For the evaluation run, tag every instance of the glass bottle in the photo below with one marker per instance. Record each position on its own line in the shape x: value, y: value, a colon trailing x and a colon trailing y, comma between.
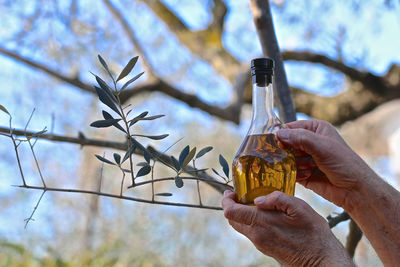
x: 260, y: 166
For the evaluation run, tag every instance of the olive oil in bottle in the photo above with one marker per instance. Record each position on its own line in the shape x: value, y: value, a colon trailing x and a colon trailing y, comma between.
x: 260, y: 166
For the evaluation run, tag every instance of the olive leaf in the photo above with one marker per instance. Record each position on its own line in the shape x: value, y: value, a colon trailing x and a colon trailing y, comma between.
x: 104, y: 123
x: 141, y: 115
x: 108, y: 116
x: 128, y: 68
x: 224, y: 164
x: 134, y: 120
x: 164, y: 194
x: 143, y: 171
x: 141, y: 164
x: 183, y: 155
x: 104, y: 160
x: 131, y: 81
x: 103, y: 62
x: 146, y: 156
x: 107, y: 89
x: 176, y: 164
x: 106, y: 99
x: 178, y: 182
x: 4, y: 109
x: 154, y: 137
x: 189, y: 157
x: 203, y: 151
x: 117, y: 158
x: 128, y: 153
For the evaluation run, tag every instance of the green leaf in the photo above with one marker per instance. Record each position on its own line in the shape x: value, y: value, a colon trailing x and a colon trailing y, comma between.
x: 183, y: 155
x: 108, y: 116
x: 197, y: 170
x: 147, y: 156
x: 4, y: 109
x: 164, y: 194
x: 103, y: 62
x: 204, y: 151
x: 143, y: 171
x: 104, y: 160
x: 117, y: 158
x: 224, y: 164
x: 175, y: 162
x: 131, y: 81
x: 127, y: 154
x: 179, y: 182
x: 141, y: 115
x: 217, y: 173
x: 134, y: 120
x: 128, y: 68
x: 106, y: 99
x: 141, y: 164
x: 154, y: 137
x: 189, y: 157
x: 107, y: 89
x: 126, y: 170
x: 104, y: 123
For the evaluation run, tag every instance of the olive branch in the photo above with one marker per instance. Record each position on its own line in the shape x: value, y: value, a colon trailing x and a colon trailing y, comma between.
x: 122, y: 119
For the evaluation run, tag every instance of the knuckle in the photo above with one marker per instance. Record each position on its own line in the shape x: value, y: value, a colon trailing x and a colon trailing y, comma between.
x: 228, y: 213
x: 253, y: 218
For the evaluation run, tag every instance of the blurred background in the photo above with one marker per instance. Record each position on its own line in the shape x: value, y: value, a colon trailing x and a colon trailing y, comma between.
x: 342, y: 60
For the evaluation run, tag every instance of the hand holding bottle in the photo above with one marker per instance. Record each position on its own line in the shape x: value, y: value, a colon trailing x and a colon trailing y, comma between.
x: 325, y: 163
x: 286, y: 228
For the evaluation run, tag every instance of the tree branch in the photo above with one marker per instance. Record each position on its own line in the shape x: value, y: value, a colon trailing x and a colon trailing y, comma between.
x: 206, y: 44
x: 228, y: 113
x: 118, y: 196
x: 83, y: 141
x: 369, y: 80
x: 266, y: 32
x: 354, y: 237
x: 333, y: 221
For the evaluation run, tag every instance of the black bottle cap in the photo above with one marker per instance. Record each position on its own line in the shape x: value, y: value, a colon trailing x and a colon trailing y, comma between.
x: 262, y: 66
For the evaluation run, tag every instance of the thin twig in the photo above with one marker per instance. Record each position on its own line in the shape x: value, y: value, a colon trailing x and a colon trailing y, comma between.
x: 35, y: 208
x: 183, y: 178
x: 198, y: 184
x: 120, y: 197
x: 36, y: 162
x: 122, y: 182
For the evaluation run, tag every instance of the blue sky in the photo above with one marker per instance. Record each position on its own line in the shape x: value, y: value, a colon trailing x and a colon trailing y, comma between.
x: 371, y: 42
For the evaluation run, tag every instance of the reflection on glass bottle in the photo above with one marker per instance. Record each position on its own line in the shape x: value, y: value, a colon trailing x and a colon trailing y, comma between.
x: 260, y: 166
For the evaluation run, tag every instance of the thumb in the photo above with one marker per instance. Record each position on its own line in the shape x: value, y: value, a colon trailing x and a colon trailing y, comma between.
x: 304, y: 140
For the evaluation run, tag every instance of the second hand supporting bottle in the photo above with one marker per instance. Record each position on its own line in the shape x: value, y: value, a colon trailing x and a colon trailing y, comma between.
x: 260, y: 166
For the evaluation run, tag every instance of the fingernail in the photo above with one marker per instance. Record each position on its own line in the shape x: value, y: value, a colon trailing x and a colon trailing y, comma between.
x: 259, y: 200
x: 283, y: 133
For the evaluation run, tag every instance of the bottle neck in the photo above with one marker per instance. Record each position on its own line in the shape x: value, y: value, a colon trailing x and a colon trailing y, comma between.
x: 263, y: 102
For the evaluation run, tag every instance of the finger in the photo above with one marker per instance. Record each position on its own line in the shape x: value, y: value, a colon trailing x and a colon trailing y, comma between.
x: 304, y: 174
x: 304, y: 140
x: 238, y: 212
x: 278, y: 201
x: 311, y: 125
x: 305, y: 162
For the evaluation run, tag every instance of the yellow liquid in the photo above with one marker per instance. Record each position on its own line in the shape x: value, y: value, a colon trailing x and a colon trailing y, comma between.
x: 261, y: 167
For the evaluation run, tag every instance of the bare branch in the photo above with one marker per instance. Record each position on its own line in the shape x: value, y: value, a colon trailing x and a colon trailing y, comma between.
x: 230, y: 113
x: 30, y: 218
x: 120, y: 197
x: 369, y: 80
x: 266, y: 32
x: 206, y: 44
x: 72, y: 81
x: 333, y: 221
x: 354, y: 237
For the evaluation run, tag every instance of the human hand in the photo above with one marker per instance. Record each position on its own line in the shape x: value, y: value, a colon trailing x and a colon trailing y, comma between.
x: 287, y: 229
x: 325, y: 163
